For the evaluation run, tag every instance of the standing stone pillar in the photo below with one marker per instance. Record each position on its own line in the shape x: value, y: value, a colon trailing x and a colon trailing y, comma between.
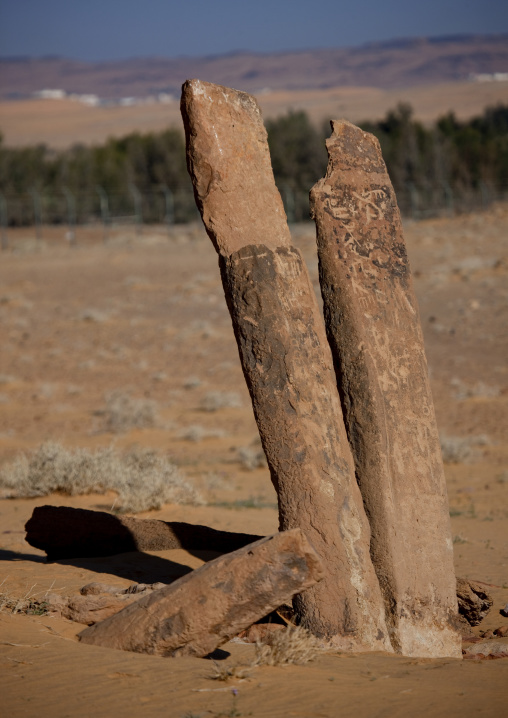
x: 286, y: 361
x: 374, y: 331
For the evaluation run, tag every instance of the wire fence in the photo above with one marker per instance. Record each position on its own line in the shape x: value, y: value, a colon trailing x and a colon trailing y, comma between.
x: 162, y: 205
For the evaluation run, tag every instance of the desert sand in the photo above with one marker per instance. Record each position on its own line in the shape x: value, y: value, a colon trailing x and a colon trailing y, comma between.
x: 146, y: 317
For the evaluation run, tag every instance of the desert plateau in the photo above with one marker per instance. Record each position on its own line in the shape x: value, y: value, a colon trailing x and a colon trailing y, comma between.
x: 63, y: 123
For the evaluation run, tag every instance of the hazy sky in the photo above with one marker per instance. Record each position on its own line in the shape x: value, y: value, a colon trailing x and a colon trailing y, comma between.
x: 109, y: 29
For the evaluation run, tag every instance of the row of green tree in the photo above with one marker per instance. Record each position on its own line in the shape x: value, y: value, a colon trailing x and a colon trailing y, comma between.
x: 452, y: 163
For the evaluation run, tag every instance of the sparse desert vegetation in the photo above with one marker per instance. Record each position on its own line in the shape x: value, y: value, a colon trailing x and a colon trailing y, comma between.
x: 461, y: 450
x: 123, y: 412
x: 148, y: 365
x: 294, y: 645
x: 142, y: 480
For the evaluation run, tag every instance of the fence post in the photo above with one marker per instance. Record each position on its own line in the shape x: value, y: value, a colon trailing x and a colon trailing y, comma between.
x: 37, y: 213
x: 413, y: 198
x: 103, y: 197
x: 136, y: 196
x: 288, y: 198
x: 485, y: 194
x: 71, y: 215
x: 169, y: 201
x: 3, y: 221
x: 449, y: 197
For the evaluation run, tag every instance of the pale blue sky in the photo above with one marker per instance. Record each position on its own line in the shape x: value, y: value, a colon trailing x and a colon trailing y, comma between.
x: 110, y: 29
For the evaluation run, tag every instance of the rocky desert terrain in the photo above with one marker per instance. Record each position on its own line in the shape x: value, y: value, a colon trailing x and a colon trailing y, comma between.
x: 128, y: 344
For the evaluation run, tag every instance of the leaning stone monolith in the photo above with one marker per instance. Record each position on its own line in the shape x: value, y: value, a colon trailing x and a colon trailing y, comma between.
x: 210, y: 605
x: 286, y: 361
x: 374, y: 331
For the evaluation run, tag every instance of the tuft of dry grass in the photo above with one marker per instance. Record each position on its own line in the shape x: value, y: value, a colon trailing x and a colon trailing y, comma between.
x: 223, y: 672
x: 123, y: 412
x: 29, y: 603
x: 142, y: 479
x: 295, y: 645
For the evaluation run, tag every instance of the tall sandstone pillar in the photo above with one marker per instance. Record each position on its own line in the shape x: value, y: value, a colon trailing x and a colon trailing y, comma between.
x: 374, y: 331
x: 286, y: 361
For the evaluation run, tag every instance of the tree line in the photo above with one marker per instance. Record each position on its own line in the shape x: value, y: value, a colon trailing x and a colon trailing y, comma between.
x: 452, y: 164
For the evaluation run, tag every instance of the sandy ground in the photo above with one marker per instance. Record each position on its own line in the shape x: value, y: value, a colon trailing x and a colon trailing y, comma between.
x: 146, y: 316
x: 61, y: 123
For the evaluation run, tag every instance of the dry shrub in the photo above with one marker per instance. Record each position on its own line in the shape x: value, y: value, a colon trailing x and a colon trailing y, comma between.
x: 29, y: 603
x: 223, y: 672
x: 142, y: 479
x: 123, y: 412
x: 460, y: 450
x: 480, y: 390
x: 251, y: 458
x: 192, y: 382
x: 295, y: 645
x: 215, y: 400
x: 195, y: 432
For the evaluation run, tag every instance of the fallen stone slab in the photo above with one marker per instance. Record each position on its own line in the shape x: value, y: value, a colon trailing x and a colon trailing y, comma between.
x: 96, y: 601
x: 474, y: 600
x: 286, y: 360
x: 374, y: 331
x: 88, y: 609
x: 64, y: 532
x: 95, y: 588
x: 207, y: 607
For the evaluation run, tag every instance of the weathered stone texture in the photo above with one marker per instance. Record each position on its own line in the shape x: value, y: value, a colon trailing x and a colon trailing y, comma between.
x: 197, y: 613
x: 374, y: 330
x: 286, y: 361
x: 474, y: 600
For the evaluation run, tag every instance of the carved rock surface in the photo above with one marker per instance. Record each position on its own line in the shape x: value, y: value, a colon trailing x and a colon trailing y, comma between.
x: 374, y: 331
x: 474, y: 600
x: 286, y: 361
x: 210, y: 605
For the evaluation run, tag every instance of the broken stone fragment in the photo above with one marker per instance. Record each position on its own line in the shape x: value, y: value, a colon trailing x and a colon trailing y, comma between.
x: 286, y: 361
x: 487, y: 649
x: 474, y: 600
x: 91, y: 609
x: 96, y: 601
x: 374, y: 332
x: 197, y: 613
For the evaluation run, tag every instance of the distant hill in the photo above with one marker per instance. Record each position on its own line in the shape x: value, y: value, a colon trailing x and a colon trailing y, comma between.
x: 388, y: 65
